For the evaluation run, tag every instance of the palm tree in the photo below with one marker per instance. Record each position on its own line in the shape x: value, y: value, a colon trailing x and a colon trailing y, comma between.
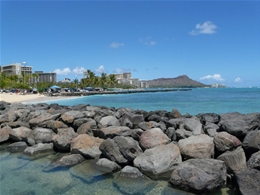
x: 103, y: 80
x: 111, y: 80
x: 90, y: 77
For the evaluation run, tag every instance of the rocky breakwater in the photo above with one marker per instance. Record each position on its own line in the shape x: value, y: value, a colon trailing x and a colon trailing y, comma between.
x: 194, y: 153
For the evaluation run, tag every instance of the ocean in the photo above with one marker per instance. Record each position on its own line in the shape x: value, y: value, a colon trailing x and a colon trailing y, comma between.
x: 22, y: 175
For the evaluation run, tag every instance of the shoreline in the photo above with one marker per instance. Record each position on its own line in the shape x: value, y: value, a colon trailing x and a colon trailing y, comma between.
x: 29, y: 98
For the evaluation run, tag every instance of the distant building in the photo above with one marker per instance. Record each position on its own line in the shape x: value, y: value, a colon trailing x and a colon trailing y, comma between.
x: 46, y: 77
x: 125, y: 78
x: 217, y: 85
x: 65, y: 80
x: 16, y: 69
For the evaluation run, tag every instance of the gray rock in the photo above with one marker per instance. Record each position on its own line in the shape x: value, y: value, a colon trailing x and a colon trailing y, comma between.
x: 42, y: 135
x: 41, y: 118
x: 17, y: 147
x: 251, y: 142
x: 39, y: 148
x: 111, y: 151
x: 224, y: 141
x: 88, y: 127
x: 199, y: 175
x: 107, y: 165
x: 70, y: 116
x: 86, y: 145
x: 234, y: 160
x: 254, y: 161
x: 112, y: 131
x: 109, y: 121
x: 158, y: 162
x: 200, y: 146
x: 20, y: 134
x: 239, y: 124
x: 63, y: 138
x: 134, y: 118
x: 211, y: 129
x: 209, y: 118
x: 4, y: 133
x: 54, y: 125
x: 153, y: 137
x: 170, y: 132
x: 248, y: 181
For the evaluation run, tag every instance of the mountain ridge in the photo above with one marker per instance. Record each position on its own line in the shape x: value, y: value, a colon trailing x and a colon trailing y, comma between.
x: 179, y: 81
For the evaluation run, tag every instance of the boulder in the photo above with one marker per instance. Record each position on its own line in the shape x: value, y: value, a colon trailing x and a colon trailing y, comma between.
x: 174, y: 114
x: 112, y: 131
x: 158, y: 162
x: 87, y: 127
x: 41, y: 118
x: 69, y: 116
x: 120, y: 149
x: 199, y: 175
x: 39, y: 148
x: 86, y: 145
x: 107, y: 165
x: 54, y: 125
x: 153, y: 137
x: 17, y: 147
x: 63, y: 138
x: 200, y: 146
x: 235, y: 160
x: 111, y: 151
x: 20, y: 134
x: 4, y: 133
x: 135, y: 119
x: 254, y: 161
x: 224, y: 141
x: 211, y: 129
x: 109, y: 121
x: 42, y: 135
x: 251, y: 142
x: 209, y: 118
x: 239, y: 124
x: 248, y: 181
x: 171, y: 133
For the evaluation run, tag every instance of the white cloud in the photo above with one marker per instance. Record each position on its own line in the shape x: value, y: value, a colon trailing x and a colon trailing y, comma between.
x: 116, y: 45
x: 147, y: 41
x: 207, y: 27
x: 238, y: 79
x: 119, y: 70
x: 80, y: 70
x: 216, y: 77
x: 64, y: 71
x: 101, y: 69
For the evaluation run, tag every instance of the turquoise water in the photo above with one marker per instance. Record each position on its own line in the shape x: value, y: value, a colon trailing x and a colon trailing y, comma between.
x: 24, y: 176
x: 220, y: 100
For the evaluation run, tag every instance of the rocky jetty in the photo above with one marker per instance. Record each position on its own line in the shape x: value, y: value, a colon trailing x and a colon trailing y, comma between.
x: 198, y: 154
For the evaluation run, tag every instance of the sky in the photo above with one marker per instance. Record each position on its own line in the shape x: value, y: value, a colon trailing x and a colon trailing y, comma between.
x: 209, y: 41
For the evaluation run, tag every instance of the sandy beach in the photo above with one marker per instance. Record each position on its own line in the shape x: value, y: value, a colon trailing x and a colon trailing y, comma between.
x: 19, y: 98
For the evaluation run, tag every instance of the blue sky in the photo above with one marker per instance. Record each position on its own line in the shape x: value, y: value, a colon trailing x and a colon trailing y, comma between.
x: 209, y: 41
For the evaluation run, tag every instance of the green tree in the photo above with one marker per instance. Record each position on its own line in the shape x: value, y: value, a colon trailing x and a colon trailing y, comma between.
x: 112, y: 80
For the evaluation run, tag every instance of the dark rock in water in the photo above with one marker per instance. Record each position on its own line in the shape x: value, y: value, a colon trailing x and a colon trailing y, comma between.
x: 199, y: 175
x: 254, y: 161
x: 131, y: 181
x: 153, y: 137
x: 20, y: 134
x: 104, y: 164
x: 4, y: 133
x: 158, y: 162
x: 112, y: 131
x: 39, y: 149
x: 87, y: 171
x: 17, y: 147
x: 224, y: 141
x: 42, y: 135
x: 239, y: 124
x: 234, y: 160
x: 248, y: 181
x: 65, y: 161
x: 209, y: 118
x: 86, y: 145
x: 63, y: 139
x: 251, y: 143
x: 200, y: 146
